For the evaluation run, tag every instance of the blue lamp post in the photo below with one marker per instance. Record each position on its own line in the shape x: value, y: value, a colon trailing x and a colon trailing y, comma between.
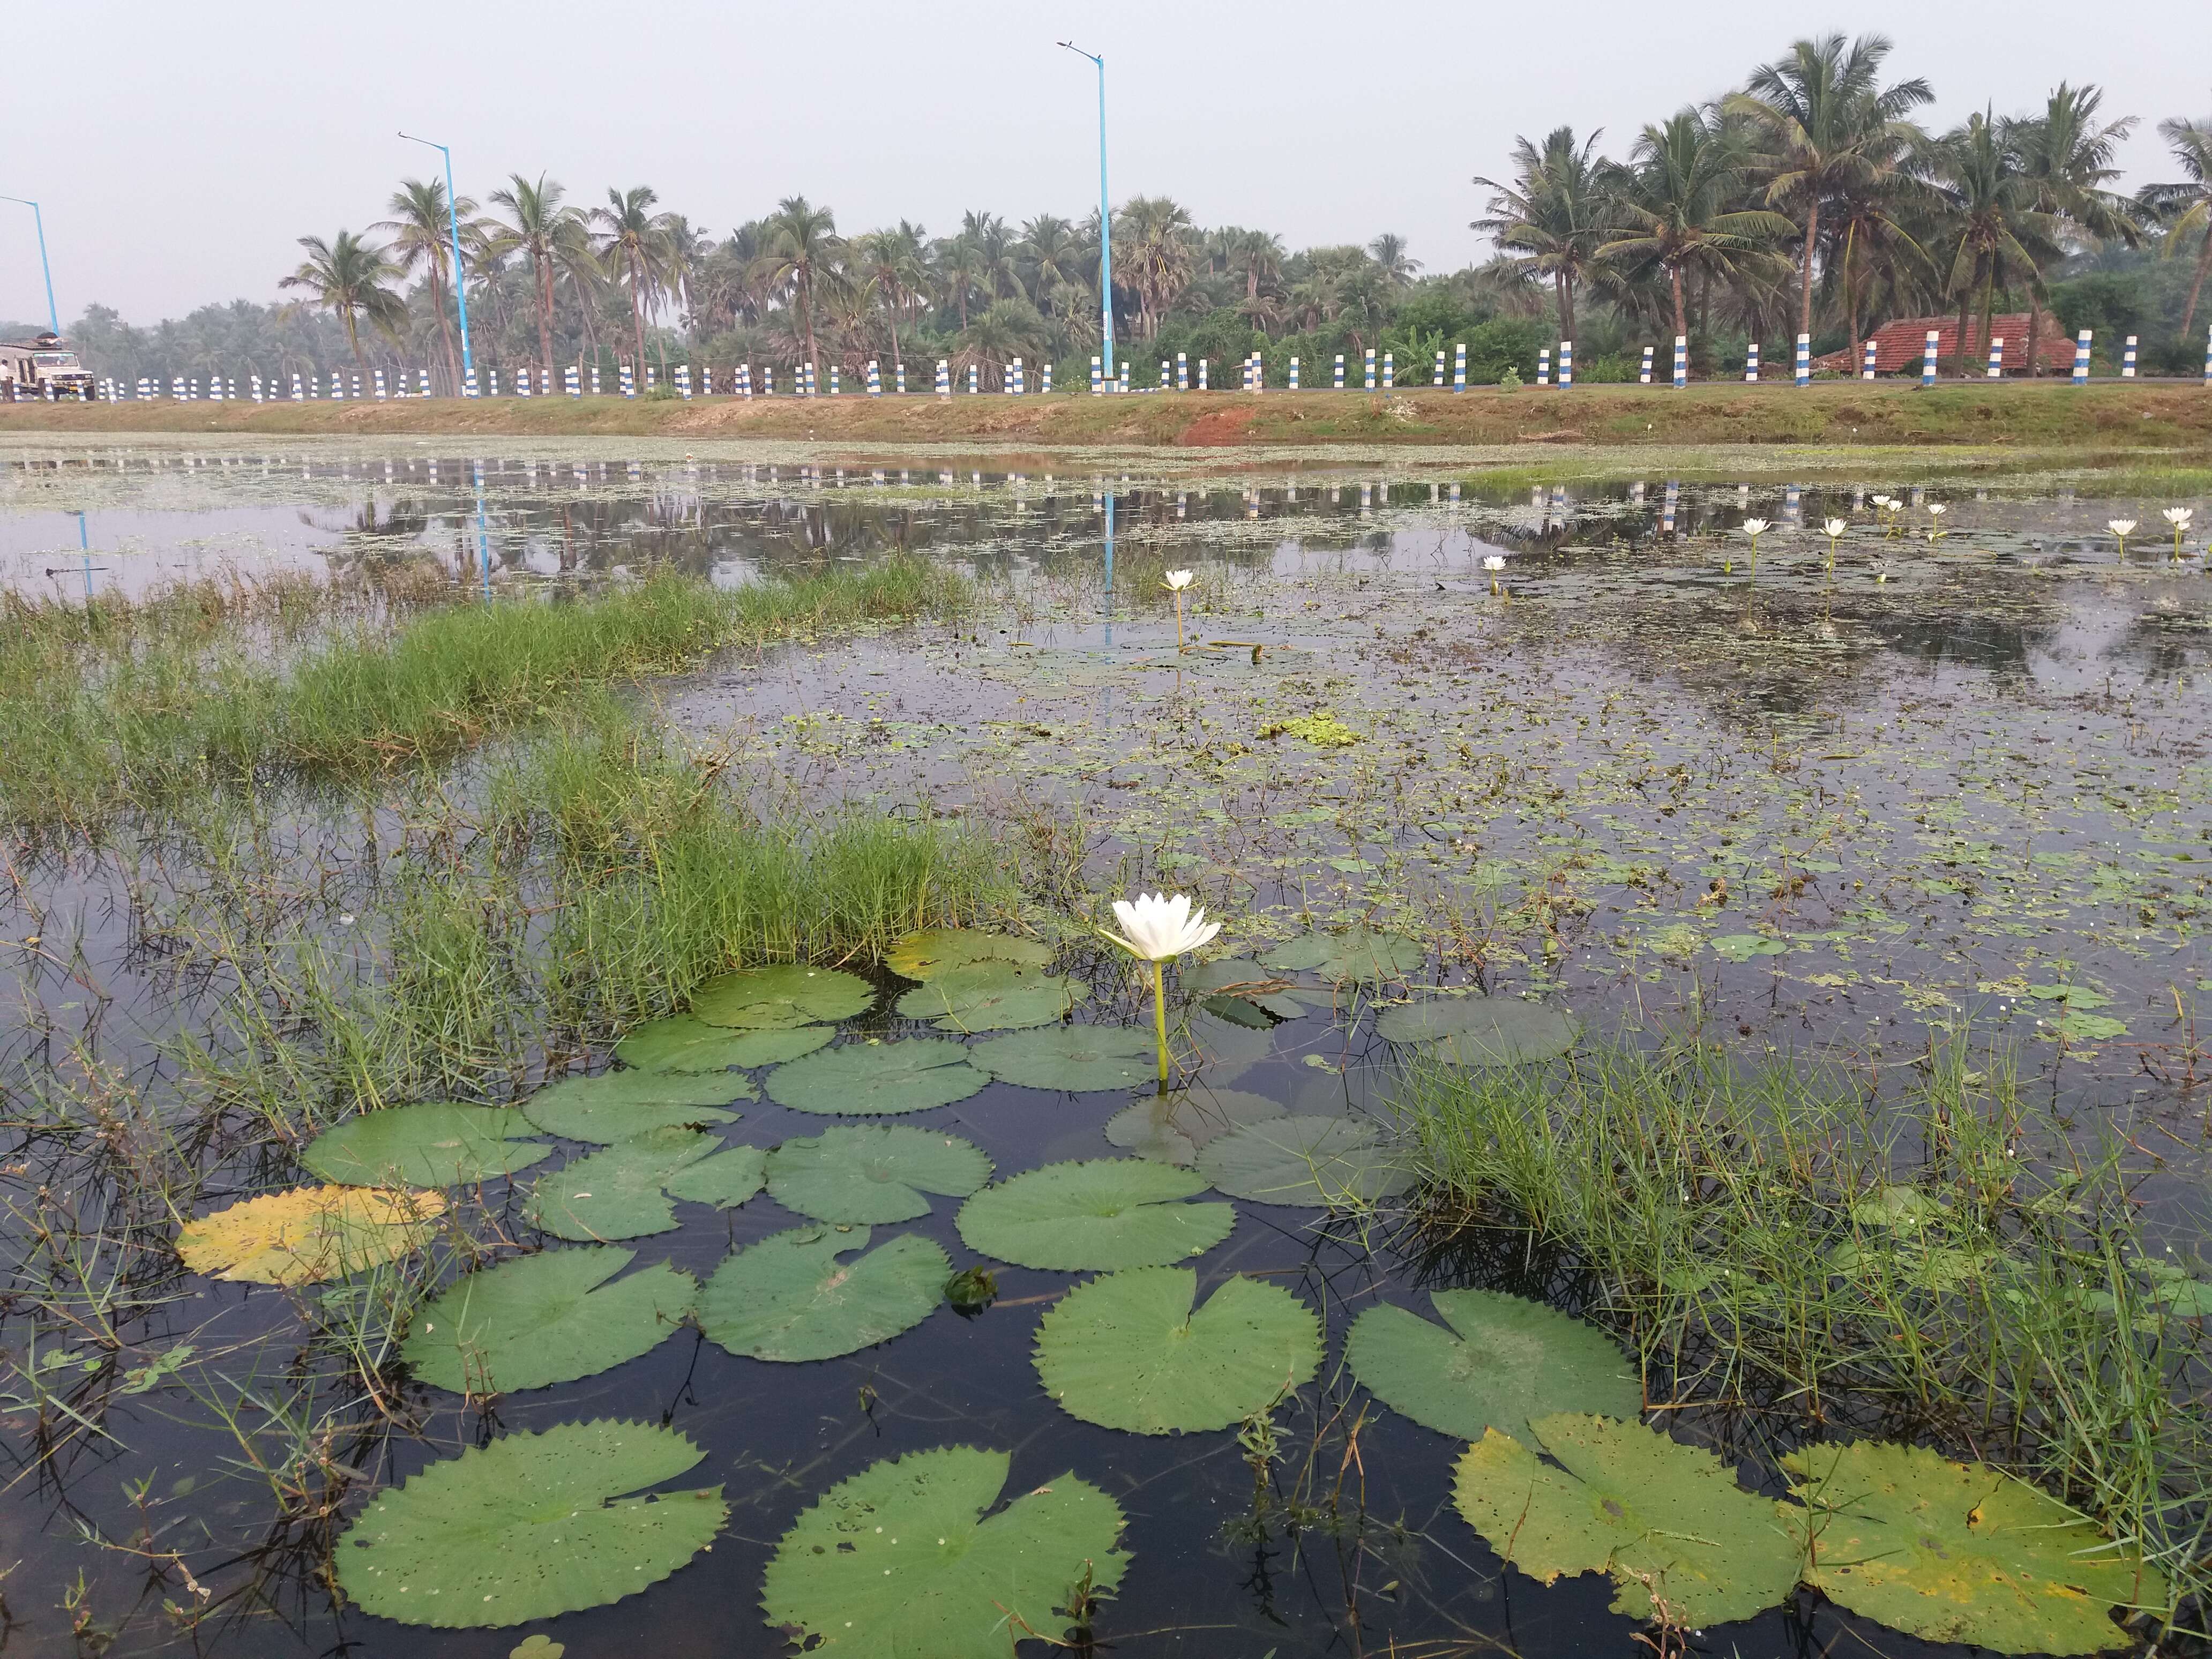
x: 1105, y: 219
x: 53, y: 317
x: 460, y: 284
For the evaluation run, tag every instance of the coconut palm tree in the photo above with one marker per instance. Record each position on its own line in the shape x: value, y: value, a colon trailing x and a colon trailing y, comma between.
x: 1388, y: 251
x: 1004, y: 330
x: 1158, y: 233
x: 2185, y: 206
x: 423, y: 232
x: 553, y: 235
x: 961, y: 272
x: 1996, y: 236
x: 350, y: 279
x: 1049, y: 255
x: 887, y: 265
x: 1827, y: 124
x: 635, y: 241
x: 1674, y: 208
x: 1258, y: 255
x: 1552, y: 217
x: 802, y: 251
x: 2066, y: 155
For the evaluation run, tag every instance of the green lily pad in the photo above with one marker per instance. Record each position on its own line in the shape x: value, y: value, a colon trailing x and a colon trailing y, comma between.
x: 1960, y: 1552
x: 724, y: 1179
x: 617, y: 1192
x: 2089, y: 1028
x: 531, y: 1526
x: 2074, y: 996
x: 438, y: 1143
x: 1077, y: 1059
x: 1505, y: 1360
x: 1895, y: 1206
x: 1129, y: 1351
x: 1480, y: 1030
x: 1743, y: 947
x: 900, y: 1562
x: 1091, y: 1218
x: 787, y: 1298
x: 542, y: 1319
x: 880, y: 1077
x: 779, y: 997
x: 993, y: 996
x: 1361, y: 956
x: 615, y: 1105
x: 1312, y: 1163
x: 1629, y: 1501
x: 873, y: 1173
x: 688, y: 1044
x: 1170, y: 1128
x: 936, y: 950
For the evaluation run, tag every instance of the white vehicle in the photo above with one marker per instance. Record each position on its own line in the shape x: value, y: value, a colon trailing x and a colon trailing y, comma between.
x: 28, y: 371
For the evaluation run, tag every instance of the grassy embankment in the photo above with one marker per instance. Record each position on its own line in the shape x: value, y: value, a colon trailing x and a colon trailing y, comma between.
x: 2166, y: 416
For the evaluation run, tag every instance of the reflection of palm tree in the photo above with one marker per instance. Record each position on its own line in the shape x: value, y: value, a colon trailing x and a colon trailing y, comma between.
x: 552, y: 234
x: 1827, y: 124
x: 350, y: 278
x: 2066, y: 157
x: 802, y: 248
x: 635, y: 241
x: 2185, y: 205
x: 1550, y: 217
x: 423, y: 233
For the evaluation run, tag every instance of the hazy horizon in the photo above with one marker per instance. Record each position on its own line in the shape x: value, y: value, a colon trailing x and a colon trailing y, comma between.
x: 180, y: 161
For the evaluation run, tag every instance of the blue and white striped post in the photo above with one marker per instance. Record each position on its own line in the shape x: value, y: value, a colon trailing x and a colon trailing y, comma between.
x: 1804, y: 376
x: 875, y: 379
x: 1459, y: 365
x: 1544, y: 365
x: 1163, y: 375
x: 1182, y: 371
x: 652, y: 377
x: 1681, y: 362
x: 1370, y: 369
x: 1996, y: 358
x: 1866, y: 369
x: 1098, y: 384
x: 254, y: 380
x: 683, y: 381
x: 422, y: 382
x: 2081, y: 357
x: 522, y: 385
x: 1439, y: 377
x: 2128, y: 359
x: 380, y: 385
x: 898, y: 377
x: 1643, y: 374
x: 768, y: 380
x: 706, y: 379
x: 1566, y: 364
x: 1294, y: 373
x: 2208, y: 356
x: 1751, y: 364
x: 1389, y: 373
x: 298, y: 392
x: 628, y: 382
x: 143, y: 392
x: 595, y: 376
x: 1259, y: 373
x: 1204, y: 365
x: 944, y: 378
x: 468, y: 383
x: 1927, y: 350
x: 495, y: 383
x: 356, y: 388
x: 813, y: 381
x: 1124, y: 384
x: 975, y: 378
x: 1017, y: 388
x: 572, y: 380
x: 835, y: 388
x: 1044, y: 389
x: 1340, y: 371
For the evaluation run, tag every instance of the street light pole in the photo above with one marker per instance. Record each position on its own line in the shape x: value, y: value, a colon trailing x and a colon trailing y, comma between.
x: 53, y: 317
x: 1105, y: 219
x: 460, y: 284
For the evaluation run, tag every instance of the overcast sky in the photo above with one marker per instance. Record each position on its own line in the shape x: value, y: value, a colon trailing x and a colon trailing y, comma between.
x: 180, y: 150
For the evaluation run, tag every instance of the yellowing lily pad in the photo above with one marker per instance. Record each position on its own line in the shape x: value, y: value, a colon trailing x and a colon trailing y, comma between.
x: 309, y: 1234
x: 936, y: 950
x: 782, y: 997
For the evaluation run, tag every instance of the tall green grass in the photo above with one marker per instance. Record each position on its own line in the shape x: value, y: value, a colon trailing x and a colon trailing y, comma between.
x: 111, y: 709
x: 1778, y: 1243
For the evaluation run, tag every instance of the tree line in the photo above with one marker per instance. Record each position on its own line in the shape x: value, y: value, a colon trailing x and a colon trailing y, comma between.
x: 1809, y: 199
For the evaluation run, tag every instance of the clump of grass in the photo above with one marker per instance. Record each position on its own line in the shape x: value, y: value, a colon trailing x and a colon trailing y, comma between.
x: 1781, y: 1245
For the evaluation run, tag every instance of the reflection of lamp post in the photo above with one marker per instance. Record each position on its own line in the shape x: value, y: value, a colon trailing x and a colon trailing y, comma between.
x: 1110, y: 567
x: 53, y: 317
x: 461, y: 285
x: 1105, y: 233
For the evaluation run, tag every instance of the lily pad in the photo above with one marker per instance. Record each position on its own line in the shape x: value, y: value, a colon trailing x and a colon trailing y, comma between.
x: 1480, y: 1031
x: 936, y: 950
x: 1960, y: 1551
x: 900, y: 1562
x: 1362, y: 955
x: 724, y: 1179
x: 615, y: 1105
x: 531, y: 1526
x: 538, y: 1320
x: 1895, y: 1206
x: 1629, y: 1501
x: 1077, y: 1059
x: 1504, y: 1359
x: 782, y: 997
x: 1311, y: 1162
x: 309, y: 1234
x: 688, y: 1044
x: 617, y: 1192
x: 1129, y: 1351
x: 1170, y: 1128
x: 789, y: 1298
x: 1094, y: 1217
x: 993, y: 996
x: 873, y: 1173
x: 1743, y: 947
x: 881, y: 1077
x: 438, y: 1143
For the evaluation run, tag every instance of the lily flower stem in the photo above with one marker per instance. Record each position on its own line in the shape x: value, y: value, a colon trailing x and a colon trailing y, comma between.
x: 1160, y: 1017
x: 1179, y: 645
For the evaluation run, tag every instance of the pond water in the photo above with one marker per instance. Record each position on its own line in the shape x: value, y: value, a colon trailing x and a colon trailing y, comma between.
x: 1926, y: 791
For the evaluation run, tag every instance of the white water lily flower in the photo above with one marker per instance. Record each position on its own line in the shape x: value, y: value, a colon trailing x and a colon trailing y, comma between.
x: 1753, y: 526
x: 1158, y: 928
x: 1176, y: 580
x: 1835, y: 527
x: 1494, y: 563
x: 2121, y: 526
x: 2180, y: 517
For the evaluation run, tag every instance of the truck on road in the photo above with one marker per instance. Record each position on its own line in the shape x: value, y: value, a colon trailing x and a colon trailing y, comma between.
x: 29, y: 370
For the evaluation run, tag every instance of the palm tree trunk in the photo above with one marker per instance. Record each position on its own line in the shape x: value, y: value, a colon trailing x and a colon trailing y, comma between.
x: 445, y: 323
x: 1805, y: 289
x: 637, y: 315
x: 1965, y: 316
x: 806, y: 305
x: 543, y: 284
x: 1681, y: 326
x: 353, y: 339
x: 2034, y: 333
